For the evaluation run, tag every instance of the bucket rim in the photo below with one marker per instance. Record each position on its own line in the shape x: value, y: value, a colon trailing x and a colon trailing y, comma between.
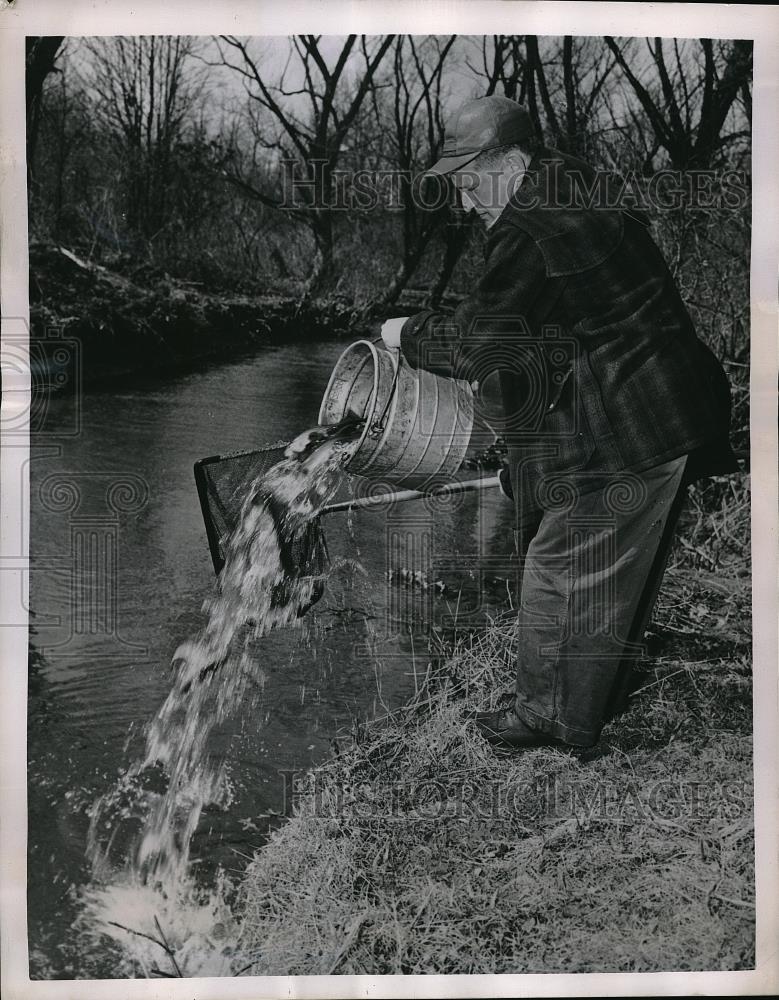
x: 374, y: 388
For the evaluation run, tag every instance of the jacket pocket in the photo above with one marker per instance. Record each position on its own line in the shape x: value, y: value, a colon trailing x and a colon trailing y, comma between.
x: 566, y: 425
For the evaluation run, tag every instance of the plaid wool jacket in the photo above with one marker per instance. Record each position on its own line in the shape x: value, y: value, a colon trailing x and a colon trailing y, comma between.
x: 576, y: 310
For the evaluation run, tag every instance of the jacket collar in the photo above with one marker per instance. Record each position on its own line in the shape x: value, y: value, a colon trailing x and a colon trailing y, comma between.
x: 529, y: 194
x: 554, y: 204
x: 547, y: 182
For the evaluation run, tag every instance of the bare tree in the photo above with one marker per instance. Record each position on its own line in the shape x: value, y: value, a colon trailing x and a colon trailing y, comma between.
x: 417, y: 133
x: 503, y: 67
x: 40, y: 56
x: 689, y: 96
x: 560, y: 82
x: 66, y: 122
x: 146, y: 88
x: 312, y: 135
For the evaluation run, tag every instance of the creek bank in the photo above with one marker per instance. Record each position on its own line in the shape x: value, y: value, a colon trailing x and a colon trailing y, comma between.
x: 90, y: 324
x: 418, y: 849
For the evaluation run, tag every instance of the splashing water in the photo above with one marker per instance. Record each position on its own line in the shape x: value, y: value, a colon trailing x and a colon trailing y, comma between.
x: 150, y: 905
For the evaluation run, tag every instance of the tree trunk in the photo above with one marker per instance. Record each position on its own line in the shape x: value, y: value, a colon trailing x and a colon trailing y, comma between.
x: 322, y: 277
x: 408, y: 265
x: 456, y: 241
x: 736, y: 75
x: 40, y: 55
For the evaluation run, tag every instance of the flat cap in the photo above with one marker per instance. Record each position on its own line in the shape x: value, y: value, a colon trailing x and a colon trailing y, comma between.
x: 483, y: 123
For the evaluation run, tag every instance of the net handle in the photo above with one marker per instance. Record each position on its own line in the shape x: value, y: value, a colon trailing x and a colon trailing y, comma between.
x: 397, y: 496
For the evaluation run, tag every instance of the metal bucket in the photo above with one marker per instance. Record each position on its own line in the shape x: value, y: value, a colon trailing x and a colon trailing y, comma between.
x: 418, y: 425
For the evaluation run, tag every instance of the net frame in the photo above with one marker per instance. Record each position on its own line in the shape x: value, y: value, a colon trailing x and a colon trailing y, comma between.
x: 223, y: 482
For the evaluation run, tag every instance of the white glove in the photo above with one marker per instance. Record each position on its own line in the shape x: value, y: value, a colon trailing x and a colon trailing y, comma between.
x: 390, y: 332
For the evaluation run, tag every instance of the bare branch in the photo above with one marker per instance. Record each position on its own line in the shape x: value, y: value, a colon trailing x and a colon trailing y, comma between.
x: 252, y: 73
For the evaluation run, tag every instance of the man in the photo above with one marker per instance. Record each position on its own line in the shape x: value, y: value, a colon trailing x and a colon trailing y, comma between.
x: 612, y: 407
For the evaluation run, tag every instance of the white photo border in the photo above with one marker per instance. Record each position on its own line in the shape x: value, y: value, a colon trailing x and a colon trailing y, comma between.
x: 262, y: 17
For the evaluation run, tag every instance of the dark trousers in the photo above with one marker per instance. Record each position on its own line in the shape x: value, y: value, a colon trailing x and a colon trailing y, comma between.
x: 590, y: 577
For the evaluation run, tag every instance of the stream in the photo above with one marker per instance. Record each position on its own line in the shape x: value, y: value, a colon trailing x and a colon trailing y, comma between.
x: 120, y: 569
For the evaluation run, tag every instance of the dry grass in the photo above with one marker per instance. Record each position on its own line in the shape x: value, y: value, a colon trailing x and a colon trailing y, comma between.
x: 419, y: 849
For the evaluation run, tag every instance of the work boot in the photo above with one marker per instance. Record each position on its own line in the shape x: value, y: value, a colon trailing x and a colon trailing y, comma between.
x: 503, y: 727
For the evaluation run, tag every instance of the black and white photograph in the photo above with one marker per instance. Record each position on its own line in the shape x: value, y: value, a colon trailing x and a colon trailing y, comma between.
x: 389, y: 505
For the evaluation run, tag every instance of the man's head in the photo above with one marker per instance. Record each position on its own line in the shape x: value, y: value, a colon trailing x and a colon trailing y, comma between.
x: 488, y: 146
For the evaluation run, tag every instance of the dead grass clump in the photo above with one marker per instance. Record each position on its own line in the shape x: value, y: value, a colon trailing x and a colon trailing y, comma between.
x: 419, y: 849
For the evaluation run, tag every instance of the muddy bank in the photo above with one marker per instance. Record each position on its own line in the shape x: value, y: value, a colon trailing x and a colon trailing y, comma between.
x: 115, y: 326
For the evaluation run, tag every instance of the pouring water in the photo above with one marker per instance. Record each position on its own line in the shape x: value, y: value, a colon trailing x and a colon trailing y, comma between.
x: 147, y: 900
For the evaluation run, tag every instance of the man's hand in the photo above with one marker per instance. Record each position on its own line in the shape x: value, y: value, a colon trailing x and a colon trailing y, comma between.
x: 390, y: 332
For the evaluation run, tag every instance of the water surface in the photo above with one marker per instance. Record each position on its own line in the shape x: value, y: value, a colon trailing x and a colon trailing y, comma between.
x: 120, y: 568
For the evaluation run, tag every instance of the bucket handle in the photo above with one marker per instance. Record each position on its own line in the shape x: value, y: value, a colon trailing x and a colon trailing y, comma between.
x: 377, y: 427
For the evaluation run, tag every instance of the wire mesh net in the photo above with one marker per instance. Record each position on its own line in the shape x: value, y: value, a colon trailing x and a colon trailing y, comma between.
x: 223, y: 484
